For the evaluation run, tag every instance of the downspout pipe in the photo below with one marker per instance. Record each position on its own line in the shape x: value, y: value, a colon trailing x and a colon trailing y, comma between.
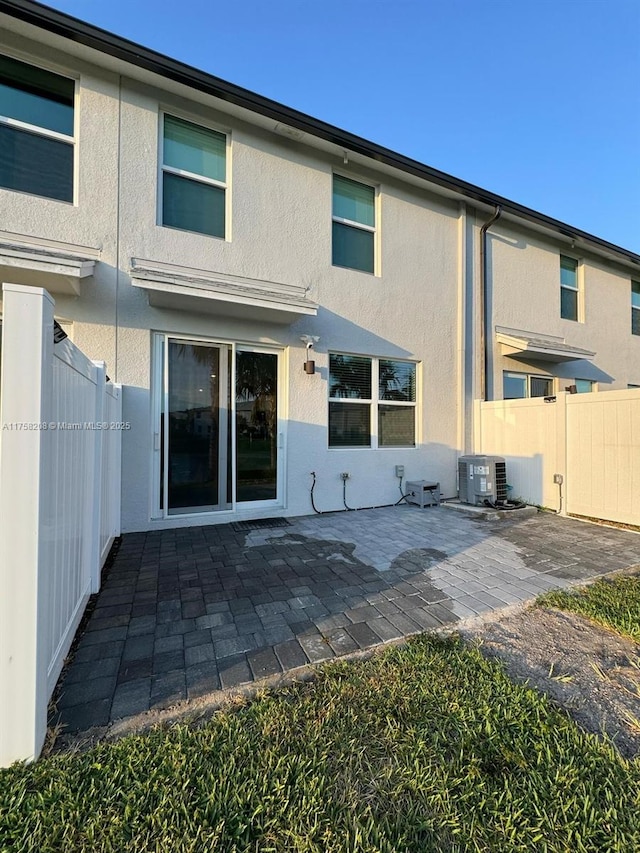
x: 485, y: 331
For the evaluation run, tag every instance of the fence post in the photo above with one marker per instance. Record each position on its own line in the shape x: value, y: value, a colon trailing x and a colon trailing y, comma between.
x: 116, y: 485
x: 95, y: 486
x: 561, y: 445
x: 25, y: 487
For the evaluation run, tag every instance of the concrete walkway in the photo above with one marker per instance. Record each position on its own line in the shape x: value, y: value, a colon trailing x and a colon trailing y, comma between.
x: 185, y: 612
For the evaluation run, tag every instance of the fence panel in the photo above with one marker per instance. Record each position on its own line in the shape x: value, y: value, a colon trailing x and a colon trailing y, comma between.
x: 592, y: 440
x: 603, y: 455
x: 65, y: 525
x: 59, y: 507
x: 529, y: 435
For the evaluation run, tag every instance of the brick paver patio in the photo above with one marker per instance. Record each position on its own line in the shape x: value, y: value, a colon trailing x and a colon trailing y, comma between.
x: 185, y: 612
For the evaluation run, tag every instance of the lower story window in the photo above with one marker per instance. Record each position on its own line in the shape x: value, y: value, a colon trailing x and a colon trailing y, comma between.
x: 372, y: 402
x: 518, y: 386
x: 584, y: 386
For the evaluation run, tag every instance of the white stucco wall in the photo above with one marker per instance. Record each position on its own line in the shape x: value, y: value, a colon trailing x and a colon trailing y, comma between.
x: 525, y: 294
x: 280, y: 230
x: 91, y: 221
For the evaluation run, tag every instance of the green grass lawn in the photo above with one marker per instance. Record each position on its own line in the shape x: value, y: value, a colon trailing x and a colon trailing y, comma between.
x: 613, y: 602
x: 428, y: 747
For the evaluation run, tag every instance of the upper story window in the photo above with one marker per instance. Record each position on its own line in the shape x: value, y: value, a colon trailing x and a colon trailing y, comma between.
x: 568, y: 288
x: 372, y: 402
x: 516, y: 386
x: 635, y: 307
x: 36, y: 130
x: 194, y: 177
x: 353, y: 224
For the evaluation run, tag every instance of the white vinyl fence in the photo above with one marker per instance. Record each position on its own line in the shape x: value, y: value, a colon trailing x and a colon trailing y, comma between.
x: 59, y: 506
x: 591, y: 440
x: 603, y: 455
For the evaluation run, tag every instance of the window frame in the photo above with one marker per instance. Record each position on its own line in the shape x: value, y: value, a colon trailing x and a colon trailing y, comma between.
x: 577, y: 289
x: 528, y: 377
x: 350, y: 223
x: 38, y: 130
x: 374, y: 403
x: 192, y: 176
x: 635, y: 289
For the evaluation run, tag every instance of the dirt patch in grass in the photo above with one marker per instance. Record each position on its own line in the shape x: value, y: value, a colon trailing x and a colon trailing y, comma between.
x: 590, y: 671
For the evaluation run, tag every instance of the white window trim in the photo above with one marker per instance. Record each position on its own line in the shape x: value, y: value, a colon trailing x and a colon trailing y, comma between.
x: 578, y: 289
x: 353, y: 224
x: 37, y: 130
x: 549, y: 379
x: 372, y: 229
x: 192, y: 176
x: 374, y: 402
x: 634, y: 307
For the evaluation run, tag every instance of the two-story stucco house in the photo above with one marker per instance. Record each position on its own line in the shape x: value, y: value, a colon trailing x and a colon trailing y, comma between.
x: 197, y: 237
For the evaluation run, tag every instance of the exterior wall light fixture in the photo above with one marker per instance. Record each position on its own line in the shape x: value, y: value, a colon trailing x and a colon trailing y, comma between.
x: 309, y: 364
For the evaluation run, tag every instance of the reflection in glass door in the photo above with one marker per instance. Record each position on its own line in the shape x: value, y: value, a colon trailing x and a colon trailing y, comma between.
x: 198, y: 439
x: 256, y: 425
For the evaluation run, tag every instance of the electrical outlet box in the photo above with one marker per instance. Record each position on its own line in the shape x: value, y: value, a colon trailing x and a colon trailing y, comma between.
x: 399, y: 470
x: 345, y: 475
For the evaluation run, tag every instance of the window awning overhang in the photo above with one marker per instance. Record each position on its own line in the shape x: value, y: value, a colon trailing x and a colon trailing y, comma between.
x: 182, y: 288
x: 528, y: 345
x: 58, y: 270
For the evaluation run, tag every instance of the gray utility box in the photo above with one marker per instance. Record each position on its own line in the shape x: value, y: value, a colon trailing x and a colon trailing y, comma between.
x: 482, y: 478
x: 423, y: 493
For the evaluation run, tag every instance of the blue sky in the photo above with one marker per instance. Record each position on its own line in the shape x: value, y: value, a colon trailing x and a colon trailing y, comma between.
x: 536, y: 100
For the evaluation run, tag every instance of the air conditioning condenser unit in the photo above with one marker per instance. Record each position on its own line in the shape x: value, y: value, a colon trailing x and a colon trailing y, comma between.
x: 481, y: 479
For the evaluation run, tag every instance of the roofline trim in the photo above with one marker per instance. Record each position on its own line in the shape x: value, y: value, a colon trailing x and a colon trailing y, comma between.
x: 103, y: 41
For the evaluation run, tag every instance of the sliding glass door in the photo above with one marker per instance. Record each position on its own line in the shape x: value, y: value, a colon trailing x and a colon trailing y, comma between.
x: 256, y: 426
x: 198, y: 474
x: 217, y: 442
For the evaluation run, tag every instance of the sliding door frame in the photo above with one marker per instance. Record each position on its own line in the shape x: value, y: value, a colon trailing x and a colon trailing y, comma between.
x: 159, y: 510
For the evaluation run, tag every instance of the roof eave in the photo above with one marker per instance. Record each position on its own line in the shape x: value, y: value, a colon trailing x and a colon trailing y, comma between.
x: 101, y: 40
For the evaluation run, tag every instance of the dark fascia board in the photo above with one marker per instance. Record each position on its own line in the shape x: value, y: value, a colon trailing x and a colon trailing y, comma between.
x: 105, y: 42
